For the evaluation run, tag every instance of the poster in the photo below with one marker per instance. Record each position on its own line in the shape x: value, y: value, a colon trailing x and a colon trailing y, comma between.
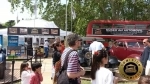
x: 1, y: 40
x: 23, y: 31
x: 54, y: 31
x: 34, y: 31
x: 13, y: 31
x: 45, y: 31
x: 13, y: 51
x: 21, y: 43
x: 13, y: 40
x: 121, y: 31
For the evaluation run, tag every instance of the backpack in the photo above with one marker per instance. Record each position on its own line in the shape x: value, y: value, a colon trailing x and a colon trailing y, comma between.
x: 62, y: 77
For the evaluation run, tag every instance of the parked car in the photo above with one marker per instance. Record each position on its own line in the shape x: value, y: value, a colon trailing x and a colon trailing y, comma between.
x: 127, y: 48
x: 85, y: 57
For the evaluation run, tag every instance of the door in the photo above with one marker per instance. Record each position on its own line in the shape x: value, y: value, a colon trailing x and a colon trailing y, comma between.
x: 121, y: 51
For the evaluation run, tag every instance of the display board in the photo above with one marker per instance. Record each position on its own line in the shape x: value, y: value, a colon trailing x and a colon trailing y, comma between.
x: 121, y: 31
x: 13, y: 40
x: 33, y: 31
x: 13, y: 51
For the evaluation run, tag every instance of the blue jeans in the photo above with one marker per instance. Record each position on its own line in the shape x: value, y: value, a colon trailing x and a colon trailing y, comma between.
x: 46, y: 49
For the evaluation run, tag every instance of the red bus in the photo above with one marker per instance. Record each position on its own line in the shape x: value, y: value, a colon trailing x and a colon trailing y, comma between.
x: 118, y: 29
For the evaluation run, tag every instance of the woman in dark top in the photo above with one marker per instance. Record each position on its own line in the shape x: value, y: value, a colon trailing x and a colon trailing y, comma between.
x: 56, y: 57
x: 57, y: 53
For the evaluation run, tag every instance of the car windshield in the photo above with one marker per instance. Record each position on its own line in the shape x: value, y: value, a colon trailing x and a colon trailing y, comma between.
x: 135, y: 44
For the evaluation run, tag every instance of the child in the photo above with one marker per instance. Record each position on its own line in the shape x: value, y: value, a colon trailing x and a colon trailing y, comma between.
x: 25, y: 73
x: 100, y: 74
x: 36, y: 77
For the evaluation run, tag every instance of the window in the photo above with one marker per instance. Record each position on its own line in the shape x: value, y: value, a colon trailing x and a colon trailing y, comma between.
x: 140, y: 26
x: 148, y: 26
x: 121, y: 44
x: 106, y: 25
x: 129, y: 26
x: 96, y: 26
x: 118, y: 25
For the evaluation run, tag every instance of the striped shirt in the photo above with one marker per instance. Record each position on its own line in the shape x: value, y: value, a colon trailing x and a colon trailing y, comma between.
x: 73, y: 63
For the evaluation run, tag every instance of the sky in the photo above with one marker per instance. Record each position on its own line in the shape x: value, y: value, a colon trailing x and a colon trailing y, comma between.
x: 6, y: 14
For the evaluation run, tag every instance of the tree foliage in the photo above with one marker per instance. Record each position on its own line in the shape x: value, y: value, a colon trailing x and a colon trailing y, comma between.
x: 87, y: 10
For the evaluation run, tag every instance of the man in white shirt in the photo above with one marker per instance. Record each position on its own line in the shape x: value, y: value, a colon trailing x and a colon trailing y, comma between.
x: 95, y: 46
x: 46, y: 48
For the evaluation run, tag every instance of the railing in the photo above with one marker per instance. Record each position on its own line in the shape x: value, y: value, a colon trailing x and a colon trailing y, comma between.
x: 12, y: 67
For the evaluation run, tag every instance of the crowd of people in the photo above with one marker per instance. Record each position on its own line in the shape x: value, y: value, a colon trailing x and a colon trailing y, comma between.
x: 67, y: 69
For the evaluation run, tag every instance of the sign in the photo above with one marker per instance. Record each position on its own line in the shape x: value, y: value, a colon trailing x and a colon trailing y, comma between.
x: 54, y: 31
x: 1, y: 40
x: 13, y: 40
x: 13, y: 51
x: 33, y: 31
x: 130, y: 68
x: 121, y: 31
x: 23, y: 31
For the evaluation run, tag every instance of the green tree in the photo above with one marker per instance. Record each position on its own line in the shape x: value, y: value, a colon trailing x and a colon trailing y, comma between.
x: 87, y: 10
x: 10, y: 23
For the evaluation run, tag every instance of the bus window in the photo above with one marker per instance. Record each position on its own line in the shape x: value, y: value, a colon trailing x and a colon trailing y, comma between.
x: 106, y: 25
x: 130, y: 26
x: 96, y: 26
x: 148, y: 26
x: 118, y: 25
x: 140, y: 26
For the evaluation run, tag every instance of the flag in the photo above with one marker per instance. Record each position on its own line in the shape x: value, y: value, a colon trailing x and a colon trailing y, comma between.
x: 73, y: 14
x: 17, y: 19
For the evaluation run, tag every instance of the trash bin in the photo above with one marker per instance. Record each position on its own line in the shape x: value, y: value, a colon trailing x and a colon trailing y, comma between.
x: 2, y: 65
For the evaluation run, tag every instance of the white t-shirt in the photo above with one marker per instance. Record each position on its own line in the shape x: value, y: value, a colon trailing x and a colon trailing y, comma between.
x: 95, y: 46
x: 25, y: 77
x: 103, y: 76
x: 46, y: 44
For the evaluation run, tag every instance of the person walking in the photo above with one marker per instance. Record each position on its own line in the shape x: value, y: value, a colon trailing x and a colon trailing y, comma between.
x: 46, y: 48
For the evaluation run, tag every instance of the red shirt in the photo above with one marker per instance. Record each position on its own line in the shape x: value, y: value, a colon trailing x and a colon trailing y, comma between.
x: 36, y: 78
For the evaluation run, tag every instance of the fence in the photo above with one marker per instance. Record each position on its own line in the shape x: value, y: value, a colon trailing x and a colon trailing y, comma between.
x: 12, y: 71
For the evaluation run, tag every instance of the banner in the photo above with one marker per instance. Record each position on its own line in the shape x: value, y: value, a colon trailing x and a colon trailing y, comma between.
x: 120, y: 31
x: 13, y: 40
x: 21, y: 43
x: 13, y: 51
x: 33, y: 31
x: 1, y: 40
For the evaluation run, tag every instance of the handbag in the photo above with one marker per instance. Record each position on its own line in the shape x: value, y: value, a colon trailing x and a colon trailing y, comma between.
x: 62, y: 77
